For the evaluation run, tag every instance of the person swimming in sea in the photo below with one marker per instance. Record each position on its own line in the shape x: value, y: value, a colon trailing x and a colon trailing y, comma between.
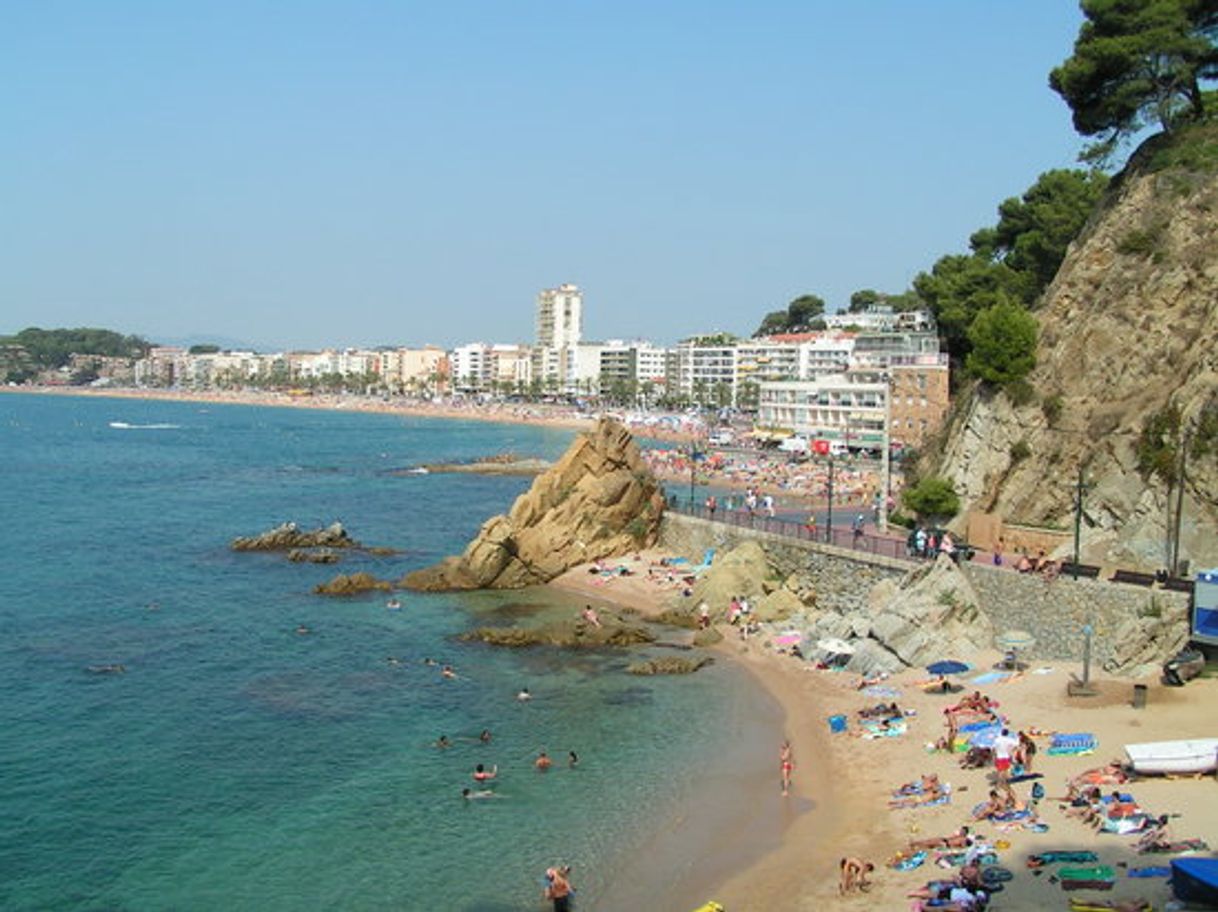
x: 482, y: 774
x: 477, y: 794
x: 442, y: 742
x: 572, y: 759
x: 524, y: 696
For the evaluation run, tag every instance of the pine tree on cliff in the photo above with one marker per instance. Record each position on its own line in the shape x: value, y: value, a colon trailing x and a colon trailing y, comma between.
x: 1138, y: 62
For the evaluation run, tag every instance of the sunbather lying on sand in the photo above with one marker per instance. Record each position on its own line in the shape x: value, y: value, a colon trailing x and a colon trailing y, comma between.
x: 1109, y: 774
x: 925, y: 784
x: 881, y: 711
x: 932, y: 795
x: 974, y: 702
x: 956, y: 840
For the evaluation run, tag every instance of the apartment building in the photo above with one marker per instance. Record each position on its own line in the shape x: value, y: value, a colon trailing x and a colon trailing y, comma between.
x: 559, y: 329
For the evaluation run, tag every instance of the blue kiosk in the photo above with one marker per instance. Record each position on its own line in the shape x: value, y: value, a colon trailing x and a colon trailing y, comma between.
x: 1205, y: 608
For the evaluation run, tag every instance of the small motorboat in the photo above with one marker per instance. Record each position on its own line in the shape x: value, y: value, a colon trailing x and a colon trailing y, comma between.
x: 393, y: 605
x: 1195, y: 755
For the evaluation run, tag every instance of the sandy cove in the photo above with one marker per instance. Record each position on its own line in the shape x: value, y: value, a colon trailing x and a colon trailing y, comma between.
x: 843, y: 783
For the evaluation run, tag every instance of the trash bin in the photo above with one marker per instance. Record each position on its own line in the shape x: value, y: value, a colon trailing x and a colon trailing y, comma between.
x: 1139, y: 696
x: 837, y: 724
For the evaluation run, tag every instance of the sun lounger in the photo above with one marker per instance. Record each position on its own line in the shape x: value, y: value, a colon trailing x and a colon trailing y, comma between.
x: 1072, y: 745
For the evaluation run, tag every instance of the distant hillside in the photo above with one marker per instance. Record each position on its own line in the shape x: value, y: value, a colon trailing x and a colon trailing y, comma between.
x: 48, y: 348
x: 1126, y: 382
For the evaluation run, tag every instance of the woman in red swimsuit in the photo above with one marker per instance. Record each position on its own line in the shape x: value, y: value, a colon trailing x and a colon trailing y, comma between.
x: 786, y: 765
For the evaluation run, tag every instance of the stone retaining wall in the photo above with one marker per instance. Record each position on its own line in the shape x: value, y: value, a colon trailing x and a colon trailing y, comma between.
x: 1123, y: 616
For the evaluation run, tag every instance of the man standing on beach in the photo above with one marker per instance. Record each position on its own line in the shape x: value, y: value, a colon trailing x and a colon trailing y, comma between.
x: 1004, y: 749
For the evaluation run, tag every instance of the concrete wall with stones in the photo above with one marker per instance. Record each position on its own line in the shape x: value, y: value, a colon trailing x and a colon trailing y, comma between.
x: 1054, y: 612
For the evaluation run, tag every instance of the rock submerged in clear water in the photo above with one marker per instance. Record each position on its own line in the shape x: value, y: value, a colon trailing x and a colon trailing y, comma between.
x: 567, y: 634
x: 352, y: 584
x: 668, y: 665
x: 313, y: 556
x: 287, y: 536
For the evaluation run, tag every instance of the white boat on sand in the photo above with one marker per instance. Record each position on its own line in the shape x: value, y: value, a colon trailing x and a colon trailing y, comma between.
x: 1194, y: 755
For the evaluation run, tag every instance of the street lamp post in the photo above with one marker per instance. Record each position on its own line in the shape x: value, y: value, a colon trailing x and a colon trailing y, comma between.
x: 829, y: 515
x: 881, y: 522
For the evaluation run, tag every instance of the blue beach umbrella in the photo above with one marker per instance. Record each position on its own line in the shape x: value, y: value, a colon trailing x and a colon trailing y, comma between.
x: 947, y: 667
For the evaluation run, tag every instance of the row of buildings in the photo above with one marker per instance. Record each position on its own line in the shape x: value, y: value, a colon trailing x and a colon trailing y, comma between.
x: 867, y: 376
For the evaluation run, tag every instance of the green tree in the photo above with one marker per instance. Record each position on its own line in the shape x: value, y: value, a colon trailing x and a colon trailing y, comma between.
x: 801, y: 315
x: 932, y: 498
x: 959, y: 287
x: 1034, y: 230
x: 1137, y: 62
x: 205, y: 349
x: 1003, y: 339
x: 862, y: 299
x: 805, y: 310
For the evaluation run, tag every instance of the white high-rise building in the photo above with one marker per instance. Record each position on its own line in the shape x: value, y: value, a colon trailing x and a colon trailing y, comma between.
x: 560, y: 325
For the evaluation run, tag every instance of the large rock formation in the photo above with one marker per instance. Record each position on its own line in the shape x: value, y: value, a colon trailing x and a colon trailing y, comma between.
x: 599, y: 500
x: 1128, y: 327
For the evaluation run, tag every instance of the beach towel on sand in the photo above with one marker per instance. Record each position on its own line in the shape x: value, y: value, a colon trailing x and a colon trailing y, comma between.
x: 1073, y: 744
x: 1094, y: 877
x: 1150, y: 871
x: 908, y: 863
x: 1040, y: 859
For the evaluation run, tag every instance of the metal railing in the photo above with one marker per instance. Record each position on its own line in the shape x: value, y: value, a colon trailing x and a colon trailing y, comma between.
x: 758, y: 520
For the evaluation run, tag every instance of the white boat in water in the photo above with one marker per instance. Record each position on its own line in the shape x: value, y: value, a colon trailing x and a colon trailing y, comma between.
x: 1195, y: 755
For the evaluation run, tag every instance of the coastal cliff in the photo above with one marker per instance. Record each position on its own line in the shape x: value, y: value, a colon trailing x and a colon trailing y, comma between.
x: 1127, y: 365
x: 599, y: 500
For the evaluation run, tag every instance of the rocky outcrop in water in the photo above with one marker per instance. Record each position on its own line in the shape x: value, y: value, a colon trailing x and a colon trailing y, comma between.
x: 287, y: 536
x: 314, y: 556
x: 352, y: 584
x: 567, y: 634
x: 599, y: 500
x: 669, y: 665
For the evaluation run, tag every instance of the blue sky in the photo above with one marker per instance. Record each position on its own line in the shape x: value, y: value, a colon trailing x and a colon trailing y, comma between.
x: 310, y: 173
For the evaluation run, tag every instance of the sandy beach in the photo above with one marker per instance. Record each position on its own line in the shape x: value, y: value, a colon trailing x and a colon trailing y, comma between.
x: 842, y: 784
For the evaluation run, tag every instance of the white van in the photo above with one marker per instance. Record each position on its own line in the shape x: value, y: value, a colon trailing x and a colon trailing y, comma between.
x: 795, y: 444
x: 721, y: 437
x: 838, y: 448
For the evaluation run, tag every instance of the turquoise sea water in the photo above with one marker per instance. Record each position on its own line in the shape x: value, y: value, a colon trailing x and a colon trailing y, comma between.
x: 239, y: 765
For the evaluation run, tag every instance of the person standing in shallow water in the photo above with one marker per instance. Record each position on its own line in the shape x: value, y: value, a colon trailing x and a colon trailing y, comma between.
x: 786, y: 766
x: 558, y: 888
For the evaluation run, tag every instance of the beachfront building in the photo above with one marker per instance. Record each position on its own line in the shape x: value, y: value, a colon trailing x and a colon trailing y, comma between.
x: 412, y: 369
x: 703, y: 370
x: 161, y: 367
x: 835, y: 407
x: 560, y: 326
x: 633, y: 370
x: 481, y: 368
x: 882, y: 319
